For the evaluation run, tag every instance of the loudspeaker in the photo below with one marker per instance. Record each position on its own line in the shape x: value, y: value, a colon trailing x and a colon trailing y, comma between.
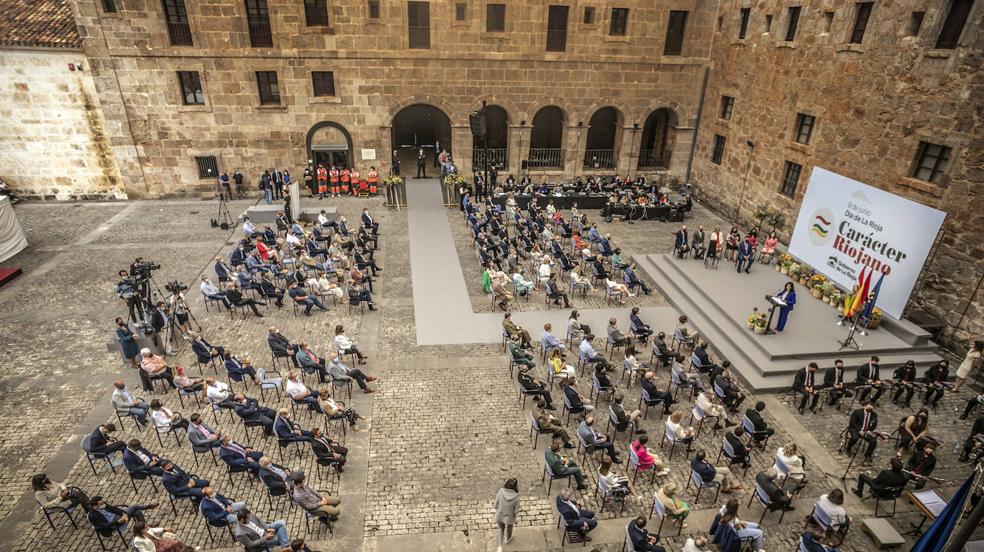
x: 477, y: 122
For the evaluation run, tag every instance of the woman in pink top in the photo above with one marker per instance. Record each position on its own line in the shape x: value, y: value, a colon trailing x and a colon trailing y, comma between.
x: 769, y: 247
x: 646, y: 459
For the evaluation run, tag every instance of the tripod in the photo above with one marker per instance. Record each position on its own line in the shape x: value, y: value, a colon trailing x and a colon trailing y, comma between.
x: 223, y: 219
x: 174, y: 328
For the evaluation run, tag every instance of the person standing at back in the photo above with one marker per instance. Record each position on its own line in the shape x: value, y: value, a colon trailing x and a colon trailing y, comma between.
x: 506, y: 510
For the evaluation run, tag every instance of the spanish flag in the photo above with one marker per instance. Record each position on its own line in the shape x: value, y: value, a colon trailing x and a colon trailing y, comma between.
x: 864, y: 284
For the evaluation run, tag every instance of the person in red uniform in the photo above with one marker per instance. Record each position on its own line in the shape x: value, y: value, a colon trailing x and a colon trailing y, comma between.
x: 322, y: 181
x: 373, y: 180
x: 354, y: 175
x: 333, y: 175
x: 346, y: 178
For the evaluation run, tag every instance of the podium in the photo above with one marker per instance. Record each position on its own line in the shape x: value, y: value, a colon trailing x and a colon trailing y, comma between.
x: 774, y: 302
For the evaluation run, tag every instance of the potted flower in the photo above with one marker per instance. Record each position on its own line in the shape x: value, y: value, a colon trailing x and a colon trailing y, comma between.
x: 874, y: 320
x: 836, y: 299
x: 759, y: 324
x: 752, y: 318
x: 793, y: 270
x: 805, y: 274
x: 827, y: 290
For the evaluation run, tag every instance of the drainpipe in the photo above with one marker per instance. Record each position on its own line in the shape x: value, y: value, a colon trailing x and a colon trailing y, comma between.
x: 700, y: 111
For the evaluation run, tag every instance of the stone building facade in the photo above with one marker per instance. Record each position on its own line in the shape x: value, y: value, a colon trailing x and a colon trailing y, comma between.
x: 875, y: 97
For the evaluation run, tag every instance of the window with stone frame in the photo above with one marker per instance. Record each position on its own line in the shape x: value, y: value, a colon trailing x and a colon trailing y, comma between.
x: 373, y: 6
x: 557, y: 28
x: 768, y: 23
x: 460, y: 11
x: 717, y: 154
x: 727, y: 106
x: 191, y: 88
x: 316, y: 13
x: 675, y: 28
x: 862, y: 14
x: 932, y: 162
x: 176, y: 19
x: 804, y: 128
x: 790, y: 179
x: 792, y: 22
x: 953, y: 25
x: 269, y: 87
x: 323, y: 83
x: 620, y: 22
x: 258, y: 21
x: 109, y: 6
x: 743, y: 16
x: 915, y: 23
x: 208, y: 167
x: 418, y: 25
x: 589, y: 16
x: 495, y: 18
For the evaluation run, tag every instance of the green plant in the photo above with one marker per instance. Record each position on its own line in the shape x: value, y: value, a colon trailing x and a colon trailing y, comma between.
x: 392, y: 180
x: 777, y: 220
x: 761, y: 215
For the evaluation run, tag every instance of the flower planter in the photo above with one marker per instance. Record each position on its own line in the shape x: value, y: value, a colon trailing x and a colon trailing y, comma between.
x: 872, y: 324
x: 784, y: 270
x: 750, y: 325
x: 816, y: 293
x: 760, y: 330
x: 778, y: 268
x: 840, y: 309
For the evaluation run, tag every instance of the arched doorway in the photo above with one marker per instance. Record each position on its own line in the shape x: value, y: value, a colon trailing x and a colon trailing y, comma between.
x: 329, y: 143
x: 497, y: 138
x: 658, y: 139
x: 546, y: 139
x: 604, y: 134
x: 420, y: 126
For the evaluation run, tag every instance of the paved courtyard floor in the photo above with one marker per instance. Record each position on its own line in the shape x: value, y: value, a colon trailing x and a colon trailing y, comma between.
x: 444, y: 430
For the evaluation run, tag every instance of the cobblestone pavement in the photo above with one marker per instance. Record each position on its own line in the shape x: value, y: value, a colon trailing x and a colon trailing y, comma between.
x: 446, y: 427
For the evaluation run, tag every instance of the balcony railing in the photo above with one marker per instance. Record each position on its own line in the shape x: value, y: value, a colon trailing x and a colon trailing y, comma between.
x: 180, y: 34
x: 545, y: 158
x: 260, y: 35
x: 653, y: 160
x: 599, y: 159
x: 498, y: 156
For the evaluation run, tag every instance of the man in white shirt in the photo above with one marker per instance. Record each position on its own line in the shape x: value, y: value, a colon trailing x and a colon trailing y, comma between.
x: 591, y: 356
x: 293, y: 241
x: 210, y: 291
x: 712, y: 408
x: 218, y: 393
x: 124, y: 402
x: 347, y: 346
x: 694, y: 545
x: 248, y: 228
x: 299, y: 392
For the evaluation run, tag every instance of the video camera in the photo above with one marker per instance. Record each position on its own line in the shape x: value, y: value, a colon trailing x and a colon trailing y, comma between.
x: 175, y: 287
x: 143, y: 268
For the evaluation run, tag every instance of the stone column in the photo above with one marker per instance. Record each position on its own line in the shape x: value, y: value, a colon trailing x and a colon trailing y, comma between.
x: 295, y: 198
x: 684, y: 137
x: 461, y: 149
x: 519, y: 145
x: 628, y: 154
x: 575, y: 142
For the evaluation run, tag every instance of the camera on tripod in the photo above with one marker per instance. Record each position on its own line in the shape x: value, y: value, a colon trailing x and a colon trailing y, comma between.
x: 175, y: 287
x: 143, y: 268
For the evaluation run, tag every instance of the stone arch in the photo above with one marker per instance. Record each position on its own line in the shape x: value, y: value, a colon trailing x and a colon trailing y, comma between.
x: 604, y: 138
x: 438, y: 102
x: 534, y: 108
x: 334, y: 152
x: 507, y: 105
x: 658, y: 138
x: 684, y: 118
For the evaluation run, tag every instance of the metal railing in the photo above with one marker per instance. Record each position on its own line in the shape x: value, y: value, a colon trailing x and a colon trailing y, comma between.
x: 599, y: 159
x: 499, y: 156
x: 545, y: 158
x: 260, y: 35
x: 419, y: 37
x: 653, y: 160
x: 180, y: 34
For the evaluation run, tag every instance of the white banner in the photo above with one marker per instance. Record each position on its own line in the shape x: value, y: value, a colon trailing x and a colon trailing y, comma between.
x: 844, y: 225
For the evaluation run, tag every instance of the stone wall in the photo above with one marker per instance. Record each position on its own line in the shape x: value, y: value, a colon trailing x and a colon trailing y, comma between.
x: 376, y: 75
x: 53, y: 143
x: 874, y: 103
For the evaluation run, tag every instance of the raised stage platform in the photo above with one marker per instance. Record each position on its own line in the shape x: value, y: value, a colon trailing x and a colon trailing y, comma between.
x: 718, y: 302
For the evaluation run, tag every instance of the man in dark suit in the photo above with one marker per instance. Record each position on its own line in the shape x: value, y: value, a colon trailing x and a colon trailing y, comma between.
x: 892, y: 477
x: 179, y: 483
x: 805, y: 383
x: 533, y: 387
x: 106, y: 519
x: 102, y: 442
x: 642, y: 541
x: 236, y: 298
x: 703, y: 360
x: 139, y: 460
x: 732, y: 396
x: 681, y: 245
x: 280, y: 346
x: 922, y: 463
x: 275, y: 476
x: 553, y: 292
x: 637, y: 326
x: 368, y: 222
x: 779, y: 499
x: 204, y: 350
x: 575, y: 516
x: 862, y: 425
x: 648, y: 383
x: 661, y: 350
x: 249, y: 410
x: 834, y: 380
x: 869, y: 377
x: 236, y: 455
x: 762, y: 429
x: 741, y: 454
x: 746, y: 255
x: 633, y: 281
x: 328, y: 450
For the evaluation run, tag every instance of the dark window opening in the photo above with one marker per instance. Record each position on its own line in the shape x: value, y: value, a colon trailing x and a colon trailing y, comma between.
x: 418, y: 24
x: 460, y: 11
x: 861, y: 21
x: 915, y: 23
x: 589, y: 16
x: 191, y: 88
x: 176, y: 18
x: 316, y: 13
x: 495, y: 18
x: 743, y: 25
x: 674, y: 33
x: 373, y: 9
x: 792, y: 23
x: 208, y: 167
x: 258, y: 20
x: 718, y: 154
x: 954, y: 23
x: 266, y: 82
x: 727, y: 105
x: 790, y: 179
x: 620, y: 22
x: 557, y: 28
x: 324, y: 83
x: 804, y: 127
x: 109, y: 6
x: 932, y: 160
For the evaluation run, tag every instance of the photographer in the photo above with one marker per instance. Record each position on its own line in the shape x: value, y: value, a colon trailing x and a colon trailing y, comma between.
x: 126, y: 291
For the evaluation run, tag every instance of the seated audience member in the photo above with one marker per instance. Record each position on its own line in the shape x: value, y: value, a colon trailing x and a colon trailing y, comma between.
x: 217, y: 508
x: 618, y: 484
x: 236, y: 455
x: 257, y: 536
x: 974, y: 440
x: 642, y: 540
x: 676, y: 509
x: 286, y: 430
x: 218, y: 393
x: 186, y: 383
x: 139, y: 460
x: 615, y: 335
x: 204, y: 350
x: 779, y: 498
x: 250, y: 410
x: 356, y: 295
x: 235, y: 368
x: 631, y: 366
x: 655, y: 395
x: 563, y: 466
x: 519, y: 355
x: 893, y: 477
x: 309, y: 361
x: 52, y: 494
x: 661, y: 350
x: 301, y: 298
x: 552, y: 425
x: 520, y: 283
x: 732, y: 396
x: 575, y: 516
x: 794, y: 463
x: 561, y: 369
x: 684, y: 434
x: 237, y: 299
x: 106, y: 519
x: 685, y: 373
x: 623, y: 418
x: 280, y: 346
x: 744, y: 529
x: 741, y: 454
x: 921, y: 464
x: 337, y: 410
x: 328, y: 449
x: 617, y: 290
x: 694, y: 544
x: 101, y: 442
x: 638, y: 327
x: 576, y: 401
x: 710, y: 473
x: 701, y: 359
x: 512, y: 329
x: 201, y: 436
x: 813, y: 542
x: 301, y: 393
x: 533, y: 387
x: 710, y: 406
x: 347, y: 346
x: 553, y: 291
x: 647, y: 458
x: 762, y: 430
x: 632, y: 281
x: 549, y: 341
x: 340, y: 372
x: 832, y: 504
x: 211, y: 291
x: 125, y: 403
x: 689, y: 336
x: 179, y: 483
x: 156, y: 367
x: 590, y: 355
x: 326, y: 508
x: 594, y: 440
x: 276, y: 477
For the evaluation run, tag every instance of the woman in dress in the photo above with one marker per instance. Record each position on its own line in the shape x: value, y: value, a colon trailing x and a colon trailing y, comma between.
x: 973, y: 356
x: 128, y: 343
x: 769, y: 248
x: 618, y: 484
x: 731, y: 244
x: 677, y: 509
x: 52, y: 494
x: 157, y: 539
